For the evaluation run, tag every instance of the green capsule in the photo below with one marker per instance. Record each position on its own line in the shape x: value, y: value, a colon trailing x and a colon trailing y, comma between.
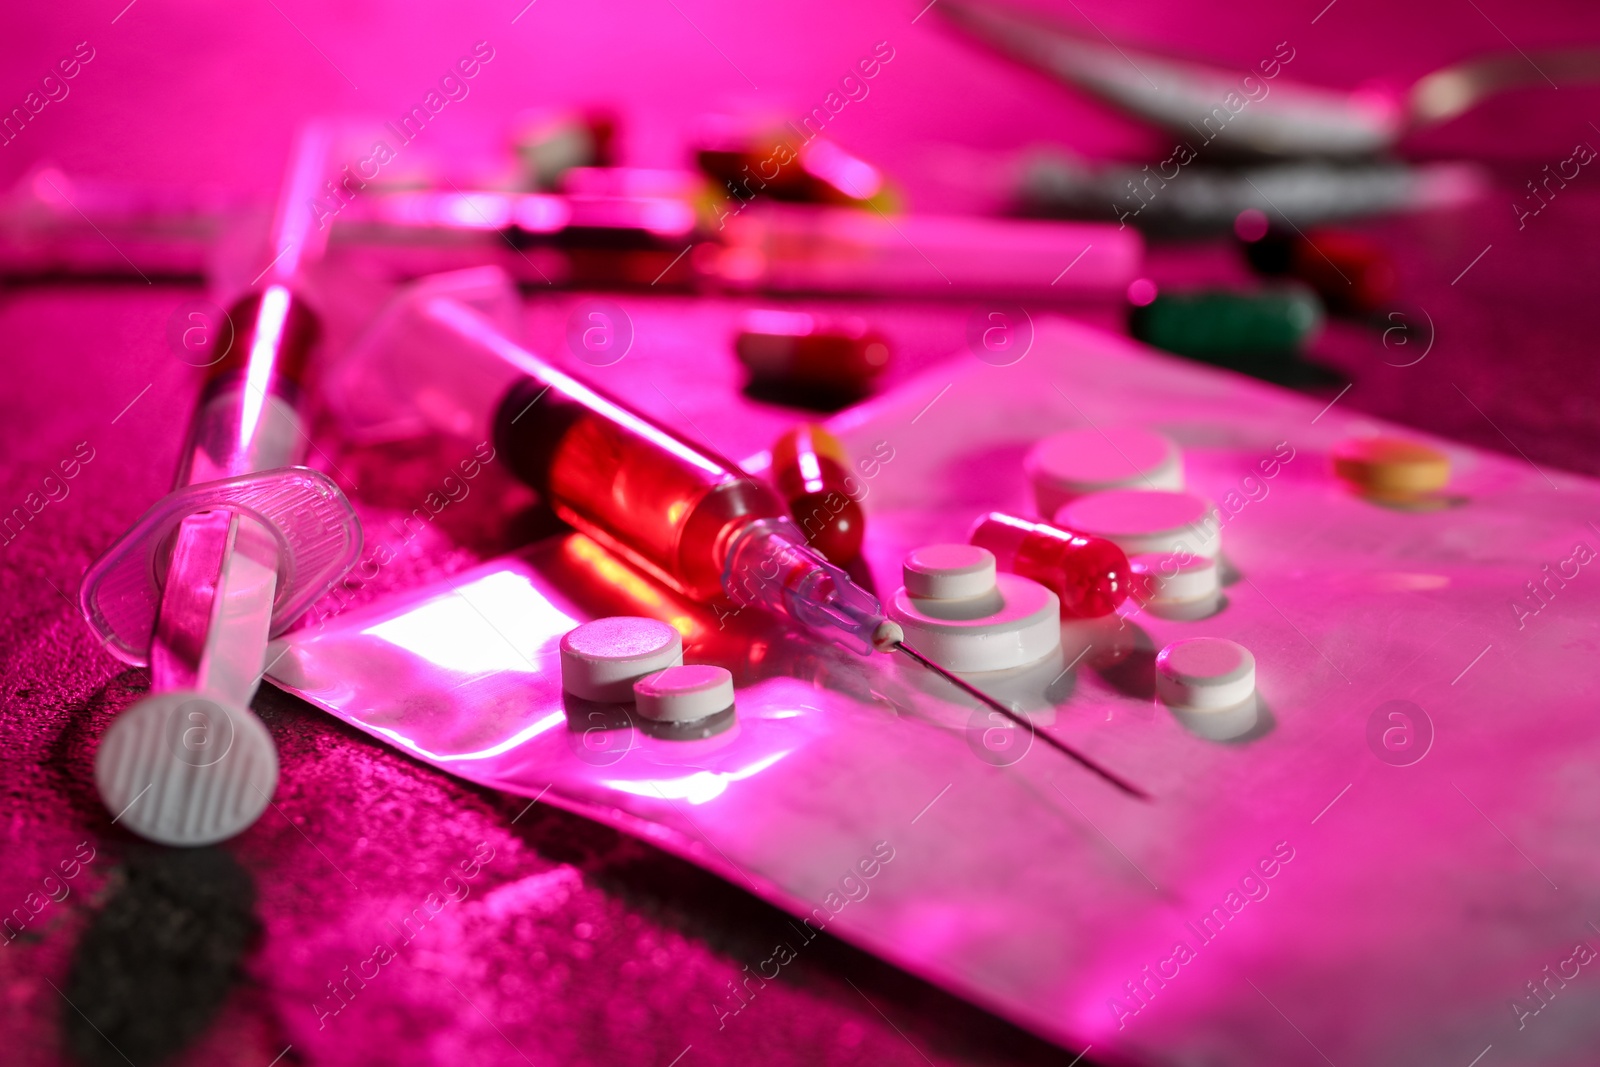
x: 1225, y: 325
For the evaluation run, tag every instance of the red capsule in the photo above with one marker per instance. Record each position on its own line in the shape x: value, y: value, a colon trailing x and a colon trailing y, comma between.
x: 1089, y: 574
x: 812, y: 472
x: 797, y: 348
x: 1350, y: 271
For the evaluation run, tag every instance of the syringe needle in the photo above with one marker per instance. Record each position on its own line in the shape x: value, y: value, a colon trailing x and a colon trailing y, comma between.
x: 974, y: 691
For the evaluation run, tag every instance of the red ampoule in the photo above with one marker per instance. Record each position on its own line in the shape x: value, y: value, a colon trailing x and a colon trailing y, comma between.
x: 1089, y: 574
x: 812, y: 471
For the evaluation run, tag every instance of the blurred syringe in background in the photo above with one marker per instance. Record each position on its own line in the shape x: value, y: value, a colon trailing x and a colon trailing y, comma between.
x: 588, y: 226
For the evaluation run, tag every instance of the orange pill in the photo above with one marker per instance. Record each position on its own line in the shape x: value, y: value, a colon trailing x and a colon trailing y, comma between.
x: 1390, y: 468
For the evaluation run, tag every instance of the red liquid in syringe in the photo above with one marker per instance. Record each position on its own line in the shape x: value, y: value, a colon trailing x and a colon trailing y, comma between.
x: 669, y: 506
x: 678, y: 511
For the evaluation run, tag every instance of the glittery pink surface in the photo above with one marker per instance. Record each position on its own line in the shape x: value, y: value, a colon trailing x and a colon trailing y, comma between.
x: 575, y: 945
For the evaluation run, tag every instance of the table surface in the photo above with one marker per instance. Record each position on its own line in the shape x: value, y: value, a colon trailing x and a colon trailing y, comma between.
x: 580, y: 945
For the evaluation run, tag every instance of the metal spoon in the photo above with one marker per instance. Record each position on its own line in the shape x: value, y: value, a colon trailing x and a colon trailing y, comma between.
x: 1258, y: 112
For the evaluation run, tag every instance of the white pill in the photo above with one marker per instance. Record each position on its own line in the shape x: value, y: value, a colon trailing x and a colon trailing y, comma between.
x: 1172, y: 577
x: 1220, y: 724
x: 1017, y: 623
x: 1068, y: 465
x: 601, y: 660
x: 949, y: 572
x: 1146, y: 520
x: 182, y: 768
x: 1205, y: 674
x: 685, y: 693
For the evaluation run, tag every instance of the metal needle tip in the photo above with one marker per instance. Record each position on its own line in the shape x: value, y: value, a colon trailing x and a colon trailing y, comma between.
x: 973, y: 691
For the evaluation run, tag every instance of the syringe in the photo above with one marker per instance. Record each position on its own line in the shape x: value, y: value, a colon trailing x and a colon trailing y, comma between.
x: 675, y: 509
x: 244, y: 542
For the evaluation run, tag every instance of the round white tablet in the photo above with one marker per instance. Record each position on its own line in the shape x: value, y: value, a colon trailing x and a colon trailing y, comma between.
x: 1018, y: 622
x: 1172, y: 577
x: 1205, y: 673
x: 601, y: 660
x: 1220, y: 724
x: 685, y: 693
x: 1067, y: 465
x: 182, y: 768
x: 949, y: 572
x: 1146, y: 520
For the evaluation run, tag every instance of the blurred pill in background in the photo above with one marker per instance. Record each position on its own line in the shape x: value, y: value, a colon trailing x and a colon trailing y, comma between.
x: 1089, y: 574
x: 1223, y: 325
x: 550, y: 141
x: 1390, y: 469
x: 753, y: 160
x: 1266, y: 247
x: 812, y: 471
x: 1073, y: 463
x: 1351, y: 272
x: 798, y: 357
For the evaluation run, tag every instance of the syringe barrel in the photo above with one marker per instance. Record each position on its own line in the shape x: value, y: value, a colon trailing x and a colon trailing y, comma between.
x: 649, y: 494
x: 248, y: 417
x: 673, y: 508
